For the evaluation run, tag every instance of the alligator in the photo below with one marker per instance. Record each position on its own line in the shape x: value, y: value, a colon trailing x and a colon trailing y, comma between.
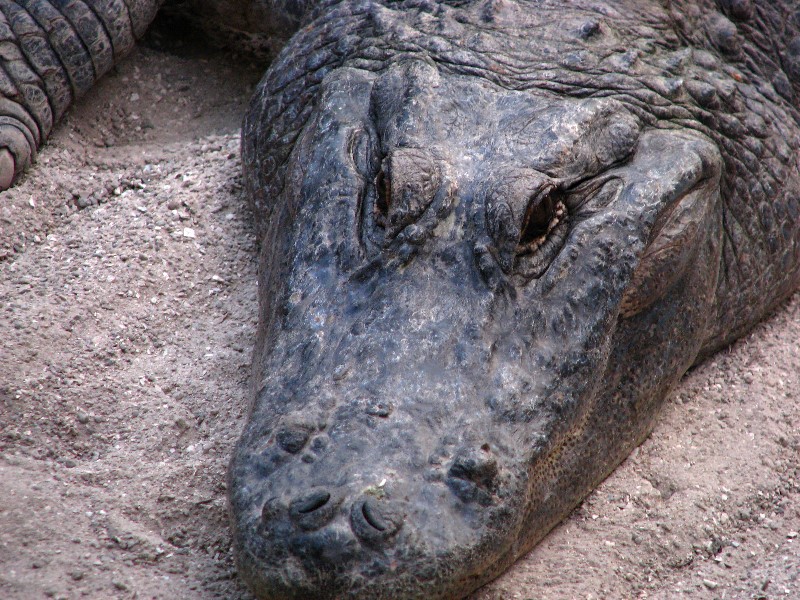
x: 494, y: 235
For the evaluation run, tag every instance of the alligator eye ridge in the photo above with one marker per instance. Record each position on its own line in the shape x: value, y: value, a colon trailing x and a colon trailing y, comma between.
x: 545, y: 211
x: 405, y: 186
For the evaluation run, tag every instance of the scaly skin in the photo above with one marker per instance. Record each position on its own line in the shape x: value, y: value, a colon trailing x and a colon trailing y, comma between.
x: 434, y: 393
x: 494, y: 235
x: 52, y: 53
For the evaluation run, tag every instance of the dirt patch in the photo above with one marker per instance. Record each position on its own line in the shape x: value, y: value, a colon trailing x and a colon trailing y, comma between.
x: 127, y: 314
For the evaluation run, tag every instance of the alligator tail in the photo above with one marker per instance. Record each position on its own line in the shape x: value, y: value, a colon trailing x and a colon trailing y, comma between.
x: 51, y: 53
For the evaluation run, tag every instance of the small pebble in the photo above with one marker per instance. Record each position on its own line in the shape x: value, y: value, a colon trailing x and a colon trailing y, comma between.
x: 712, y: 585
x: 188, y: 232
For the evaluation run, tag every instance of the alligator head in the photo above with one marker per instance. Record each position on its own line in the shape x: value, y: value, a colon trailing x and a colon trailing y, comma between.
x: 473, y: 305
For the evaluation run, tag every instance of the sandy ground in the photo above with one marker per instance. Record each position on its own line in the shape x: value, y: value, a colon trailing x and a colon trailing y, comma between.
x: 127, y: 313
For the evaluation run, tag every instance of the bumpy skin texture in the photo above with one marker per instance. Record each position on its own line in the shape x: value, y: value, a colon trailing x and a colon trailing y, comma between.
x: 494, y: 235
x: 51, y: 52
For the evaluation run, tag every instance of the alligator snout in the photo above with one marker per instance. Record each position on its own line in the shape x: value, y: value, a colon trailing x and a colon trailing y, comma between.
x: 353, y: 492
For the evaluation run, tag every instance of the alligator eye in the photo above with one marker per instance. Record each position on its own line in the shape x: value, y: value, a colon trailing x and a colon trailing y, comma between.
x: 544, y: 212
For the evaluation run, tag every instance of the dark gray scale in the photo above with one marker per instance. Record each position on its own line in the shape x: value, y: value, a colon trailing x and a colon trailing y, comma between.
x: 30, y: 88
x: 141, y: 13
x: 116, y: 20
x: 65, y: 42
x: 39, y: 52
x: 738, y: 9
x: 91, y: 31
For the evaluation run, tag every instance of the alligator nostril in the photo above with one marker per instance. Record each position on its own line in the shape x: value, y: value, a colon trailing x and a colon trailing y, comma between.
x: 375, y: 521
x: 310, y: 503
x: 314, y: 509
x: 373, y: 516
